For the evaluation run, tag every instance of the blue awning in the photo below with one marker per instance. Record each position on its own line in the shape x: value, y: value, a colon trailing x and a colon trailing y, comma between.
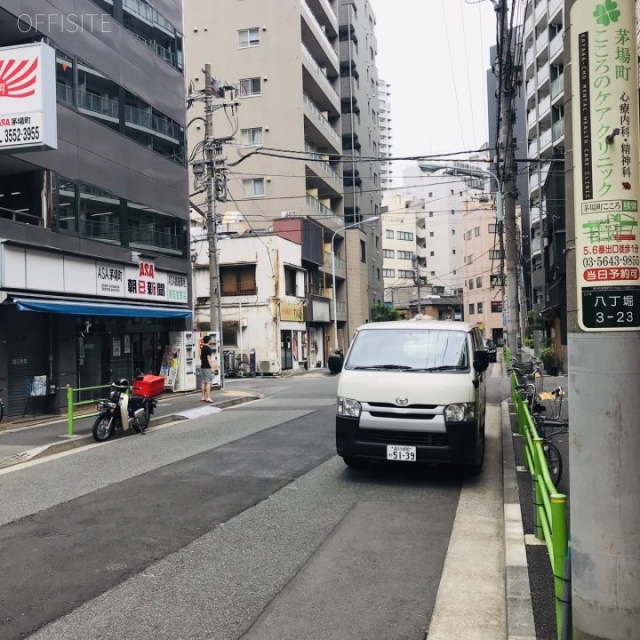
x: 89, y: 308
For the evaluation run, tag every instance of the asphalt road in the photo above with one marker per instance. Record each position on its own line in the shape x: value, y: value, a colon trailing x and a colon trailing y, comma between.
x: 243, y: 523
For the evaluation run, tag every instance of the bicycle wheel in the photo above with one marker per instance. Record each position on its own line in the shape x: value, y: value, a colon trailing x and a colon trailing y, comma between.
x: 554, y: 461
x: 243, y: 370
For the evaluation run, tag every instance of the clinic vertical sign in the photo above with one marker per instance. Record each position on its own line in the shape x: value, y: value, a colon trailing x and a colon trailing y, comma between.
x: 604, y: 77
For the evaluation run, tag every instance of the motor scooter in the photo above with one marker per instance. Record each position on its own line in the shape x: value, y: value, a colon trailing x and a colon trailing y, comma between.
x: 122, y: 410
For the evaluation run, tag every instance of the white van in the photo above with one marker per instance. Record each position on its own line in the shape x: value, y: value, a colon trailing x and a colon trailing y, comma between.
x: 413, y: 391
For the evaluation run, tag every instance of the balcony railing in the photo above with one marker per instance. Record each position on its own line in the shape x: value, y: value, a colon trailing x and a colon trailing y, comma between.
x: 556, y: 45
x: 320, y: 74
x: 557, y: 129
x: 64, y: 93
x: 318, y: 206
x: 320, y: 160
x: 340, y: 263
x: 98, y: 104
x: 309, y: 13
x: 141, y: 238
x: 154, y: 123
x: 557, y: 86
x: 318, y: 114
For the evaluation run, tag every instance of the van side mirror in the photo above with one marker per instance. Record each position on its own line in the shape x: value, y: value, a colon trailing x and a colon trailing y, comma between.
x: 480, y: 361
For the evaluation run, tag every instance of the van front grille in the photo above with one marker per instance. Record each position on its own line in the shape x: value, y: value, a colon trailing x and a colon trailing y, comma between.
x: 403, y: 437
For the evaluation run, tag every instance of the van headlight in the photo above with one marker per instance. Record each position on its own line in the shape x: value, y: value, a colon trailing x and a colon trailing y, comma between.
x: 348, y: 407
x: 461, y: 412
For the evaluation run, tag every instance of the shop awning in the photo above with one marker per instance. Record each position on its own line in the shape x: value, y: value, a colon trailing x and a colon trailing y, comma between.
x: 90, y: 308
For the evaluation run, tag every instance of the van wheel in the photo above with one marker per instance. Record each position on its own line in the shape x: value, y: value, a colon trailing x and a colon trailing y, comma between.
x: 475, y: 467
x: 355, y: 463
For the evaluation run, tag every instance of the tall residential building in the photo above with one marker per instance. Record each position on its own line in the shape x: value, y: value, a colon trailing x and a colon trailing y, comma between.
x: 292, y: 65
x: 384, y: 128
x: 93, y: 229
x: 444, y: 191
x: 361, y: 147
x: 543, y: 45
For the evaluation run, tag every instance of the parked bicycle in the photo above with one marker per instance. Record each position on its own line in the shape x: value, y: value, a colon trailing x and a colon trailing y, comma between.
x: 236, y: 367
x: 549, y: 427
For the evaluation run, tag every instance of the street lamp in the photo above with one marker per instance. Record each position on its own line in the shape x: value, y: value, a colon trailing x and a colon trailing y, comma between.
x: 333, y: 276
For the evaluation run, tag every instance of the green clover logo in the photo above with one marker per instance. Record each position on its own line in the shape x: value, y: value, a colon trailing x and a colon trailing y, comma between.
x: 607, y: 13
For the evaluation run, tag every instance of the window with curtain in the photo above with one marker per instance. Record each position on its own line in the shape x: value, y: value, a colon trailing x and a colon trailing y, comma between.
x: 238, y: 280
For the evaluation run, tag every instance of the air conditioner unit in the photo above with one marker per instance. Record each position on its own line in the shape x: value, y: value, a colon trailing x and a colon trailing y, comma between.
x: 268, y: 367
x: 289, y: 214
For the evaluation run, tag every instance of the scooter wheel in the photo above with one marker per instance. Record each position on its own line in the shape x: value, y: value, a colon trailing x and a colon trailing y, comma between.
x: 102, y: 428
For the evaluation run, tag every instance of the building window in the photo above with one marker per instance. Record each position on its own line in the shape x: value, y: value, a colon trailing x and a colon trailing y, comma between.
x: 388, y: 234
x: 64, y: 205
x: 251, y: 137
x: 453, y: 232
x: 431, y: 234
x: 496, y: 306
x: 99, y: 214
x: 471, y: 284
x: 405, y: 255
x: 480, y: 307
x: 238, y: 281
x: 388, y: 253
x: 253, y: 188
x: 290, y: 288
x: 453, y: 211
x: 431, y: 214
x: 404, y: 273
x: 64, y: 78
x: 476, y: 231
x: 250, y: 87
x: 431, y: 194
x: 388, y: 273
x: 493, y: 228
x: 150, y: 229
x: 453, y: 252
x: 248, y: 37
x: 363, y: 251
x: 405, y: 235
x: 479, y: 282
x: 432, y: 253
x: 433, y: 273
x: 471, y: 308
x: 378, y: 273
x: 495, y: 254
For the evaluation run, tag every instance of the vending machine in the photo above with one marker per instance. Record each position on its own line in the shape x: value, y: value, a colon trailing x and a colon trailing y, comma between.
x: 214, y: 343
x: 179, y: 362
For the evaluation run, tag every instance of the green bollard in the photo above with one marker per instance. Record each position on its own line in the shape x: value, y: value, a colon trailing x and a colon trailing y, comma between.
x: 539, y: 481
x: 69, y: 411
x: 560, y: 545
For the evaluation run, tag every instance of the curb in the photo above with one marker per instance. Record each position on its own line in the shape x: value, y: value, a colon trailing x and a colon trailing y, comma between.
x: 520, y: 623
x: 75, y: 442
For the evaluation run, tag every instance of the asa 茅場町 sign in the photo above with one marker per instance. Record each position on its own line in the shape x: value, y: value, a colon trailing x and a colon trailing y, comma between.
x: 28, y: 112
x: 604, y: 79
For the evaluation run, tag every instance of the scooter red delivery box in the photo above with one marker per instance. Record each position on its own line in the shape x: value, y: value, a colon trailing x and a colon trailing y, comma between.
x: 150, y: 386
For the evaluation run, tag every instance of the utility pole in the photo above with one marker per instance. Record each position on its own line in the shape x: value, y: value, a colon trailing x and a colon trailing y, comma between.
x: 417, y: 281
x: 602, y: 174
x: 210, y: 151
x: 507, y: 90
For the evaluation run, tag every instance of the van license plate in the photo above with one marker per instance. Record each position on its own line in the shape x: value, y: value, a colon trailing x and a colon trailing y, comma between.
x: 401, y: 453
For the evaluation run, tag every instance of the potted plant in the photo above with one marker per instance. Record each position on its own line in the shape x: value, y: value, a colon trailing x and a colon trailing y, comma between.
x: 548, y: 357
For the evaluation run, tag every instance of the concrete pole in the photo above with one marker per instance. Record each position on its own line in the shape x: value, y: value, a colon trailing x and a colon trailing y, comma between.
x: 604, y: 362
x: 508, y: 179
x: 214, y: 272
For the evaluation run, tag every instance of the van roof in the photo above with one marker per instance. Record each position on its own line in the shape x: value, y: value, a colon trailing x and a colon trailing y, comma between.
x: 439, y: 325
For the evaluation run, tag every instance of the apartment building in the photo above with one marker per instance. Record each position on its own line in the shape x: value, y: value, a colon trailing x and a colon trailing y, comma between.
x: 403, y: 237
x: 361, y: 148
x: 384, y: 129
x: 543, y: 55
x: 93, y: 216
x: 482, y: 258
x: 444, y: 192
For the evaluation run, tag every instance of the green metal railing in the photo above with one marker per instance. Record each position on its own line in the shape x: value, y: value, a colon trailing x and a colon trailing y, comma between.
x: 550, y: 507
x: 71, y: 403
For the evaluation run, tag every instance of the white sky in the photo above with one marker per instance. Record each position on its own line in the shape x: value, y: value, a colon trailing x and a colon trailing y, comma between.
x: 436, y: 65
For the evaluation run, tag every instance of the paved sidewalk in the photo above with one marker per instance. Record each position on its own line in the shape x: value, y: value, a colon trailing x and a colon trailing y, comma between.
x: 25, y: 439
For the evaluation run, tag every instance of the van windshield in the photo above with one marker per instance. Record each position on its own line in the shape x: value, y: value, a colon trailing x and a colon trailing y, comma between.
x: 409, y: 350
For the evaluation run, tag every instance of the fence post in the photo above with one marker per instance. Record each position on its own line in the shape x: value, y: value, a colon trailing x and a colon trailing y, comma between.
x: 69, y: 411
x: 559, y: 546
x: 538, y: 500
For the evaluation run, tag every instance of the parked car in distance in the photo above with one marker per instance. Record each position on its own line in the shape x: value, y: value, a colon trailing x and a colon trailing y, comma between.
x: 490, y: 348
